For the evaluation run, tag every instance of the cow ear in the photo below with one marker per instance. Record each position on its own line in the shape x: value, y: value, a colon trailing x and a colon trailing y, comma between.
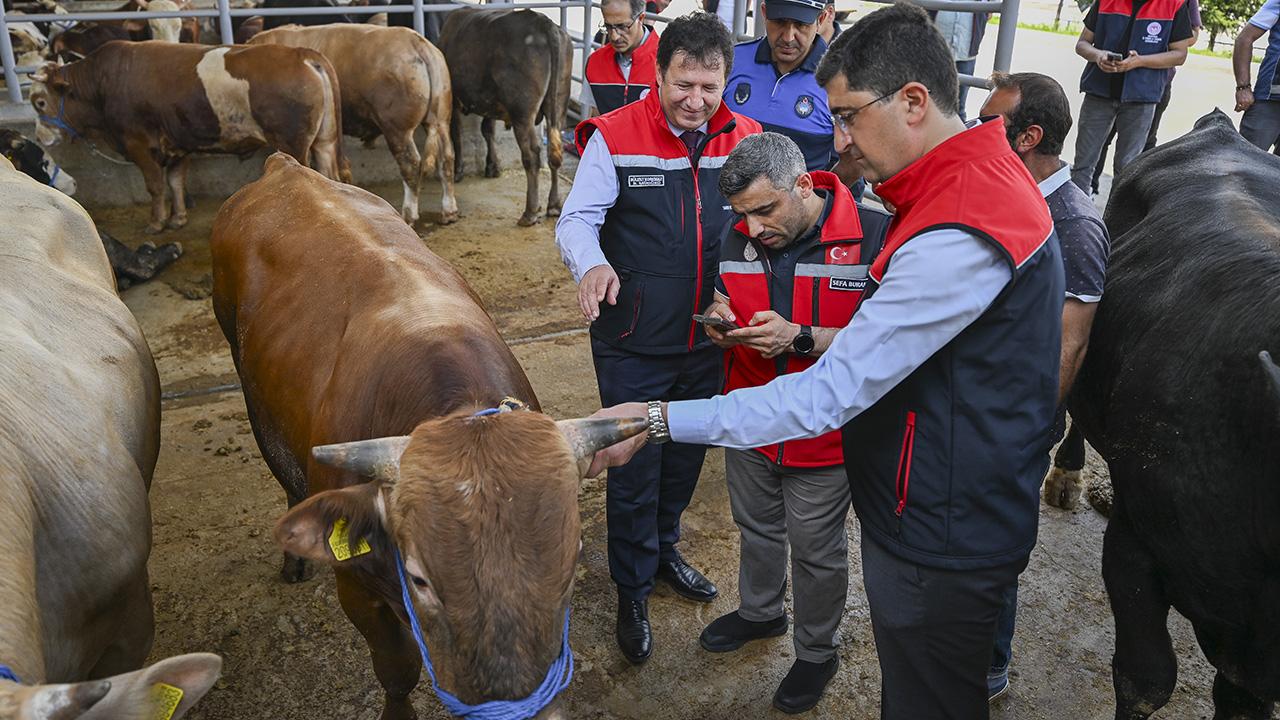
x: 174, y: 685
x: 336, y: 525
x: 57, y: 702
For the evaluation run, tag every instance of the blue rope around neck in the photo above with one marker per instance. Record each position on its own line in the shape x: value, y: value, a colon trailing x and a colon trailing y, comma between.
x: 6, y: 673
x: 557, y: 679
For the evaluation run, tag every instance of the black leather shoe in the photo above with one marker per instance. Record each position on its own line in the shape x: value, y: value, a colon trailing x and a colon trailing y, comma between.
x: 686, y: 581
x: 730, y: 632
x: 803, y: 686
x: 635, y: 637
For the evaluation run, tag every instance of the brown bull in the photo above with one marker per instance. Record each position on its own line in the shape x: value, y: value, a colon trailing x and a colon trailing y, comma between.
x: 511, y: 65
x: 343, y: 328
x: 393, y: 82
x: 157, y: 103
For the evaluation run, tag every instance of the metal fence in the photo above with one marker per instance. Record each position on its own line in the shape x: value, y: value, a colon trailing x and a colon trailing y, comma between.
x: 1008, y: 9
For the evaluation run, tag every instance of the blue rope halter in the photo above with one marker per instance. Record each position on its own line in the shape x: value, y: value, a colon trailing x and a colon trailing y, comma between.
x: 6, y: 673
x: 558, y: 675
x: 60, y: 121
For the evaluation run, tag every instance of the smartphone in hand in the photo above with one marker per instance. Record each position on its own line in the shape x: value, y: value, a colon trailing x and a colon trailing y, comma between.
x: 718, y: 323
x: 1114, y: 56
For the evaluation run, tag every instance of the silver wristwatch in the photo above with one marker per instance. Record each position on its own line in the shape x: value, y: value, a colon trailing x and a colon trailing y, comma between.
x: 658, y: 431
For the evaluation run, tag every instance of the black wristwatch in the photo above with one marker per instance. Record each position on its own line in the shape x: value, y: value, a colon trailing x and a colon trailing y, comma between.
x: 803, y: 344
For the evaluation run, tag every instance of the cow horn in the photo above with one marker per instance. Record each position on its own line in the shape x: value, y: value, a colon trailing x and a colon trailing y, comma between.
x: 378, y: 458
x: 587, y: 436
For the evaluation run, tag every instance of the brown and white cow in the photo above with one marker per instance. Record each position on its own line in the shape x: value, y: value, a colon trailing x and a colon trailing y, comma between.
x: 393, y: 82
x: 345, y: 329
x: 79, y: 436
x: 511, y: 65
x: 157, y: 103
x: 84, y: 37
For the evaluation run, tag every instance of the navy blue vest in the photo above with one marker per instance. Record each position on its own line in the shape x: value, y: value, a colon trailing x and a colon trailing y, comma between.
x: 945, y: 469
x: 662, y: 235
x: 1267, y: 85
x: 793, y: 104
x: 1149, y: 34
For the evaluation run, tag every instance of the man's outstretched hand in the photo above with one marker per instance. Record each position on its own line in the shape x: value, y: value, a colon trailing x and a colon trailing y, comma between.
x: 620, y: 453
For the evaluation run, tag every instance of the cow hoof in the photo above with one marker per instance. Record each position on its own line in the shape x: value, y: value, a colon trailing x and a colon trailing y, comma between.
x: 176, y: 222
x: 153, y: 229
x: 296, y: 569
x: 457, y: 176
x: 528, y: 219
x: 1063, y: 488
x: 492, y: 171
x: 553, y: 211
x: 449, y: 218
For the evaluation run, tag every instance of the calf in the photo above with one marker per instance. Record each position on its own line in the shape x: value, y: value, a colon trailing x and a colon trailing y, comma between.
x: 79, y: 436
x: 348, y: 333
x: 157, y: 103
x: 511, y: 65
x: 393, y: 82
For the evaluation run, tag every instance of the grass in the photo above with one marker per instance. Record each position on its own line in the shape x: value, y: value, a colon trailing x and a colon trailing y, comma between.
x: 1072, y: 28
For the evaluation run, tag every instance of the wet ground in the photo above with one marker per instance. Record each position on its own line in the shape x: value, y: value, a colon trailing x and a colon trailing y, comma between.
x: 290, y: 653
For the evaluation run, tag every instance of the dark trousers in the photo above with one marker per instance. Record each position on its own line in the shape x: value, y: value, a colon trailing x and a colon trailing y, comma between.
x: 646, y: 496
x: 965, y: 67
x: 934, y: 629
x: 1151, y: 136
x: 1002, y: 653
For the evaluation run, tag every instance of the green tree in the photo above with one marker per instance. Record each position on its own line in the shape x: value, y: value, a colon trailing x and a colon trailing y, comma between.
x: 1225, y: 16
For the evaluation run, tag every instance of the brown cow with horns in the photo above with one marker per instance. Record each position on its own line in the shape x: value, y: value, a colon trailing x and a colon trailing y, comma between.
x: 347, y: 332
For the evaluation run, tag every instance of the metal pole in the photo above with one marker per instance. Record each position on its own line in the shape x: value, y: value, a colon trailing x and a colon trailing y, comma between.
x: 419, y: 20
x: 224, y: 23
x: 739, y: 19
x: 1004, y: 40
x: 586, y: 35
x: 6, y: 57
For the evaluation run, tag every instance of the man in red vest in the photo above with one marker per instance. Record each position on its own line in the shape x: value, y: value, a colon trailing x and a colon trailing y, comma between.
x: 944, y: 384
x: 793, y: 270
x: 621, y: 71
x: 640, y: 232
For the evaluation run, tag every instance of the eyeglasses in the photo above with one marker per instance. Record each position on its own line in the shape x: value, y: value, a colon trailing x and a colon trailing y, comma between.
x: 606, y: 28
x: 844, y: 120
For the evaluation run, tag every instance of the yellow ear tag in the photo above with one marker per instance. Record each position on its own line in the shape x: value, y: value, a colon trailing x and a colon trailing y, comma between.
x: 164, y: 701
x: 340, y: 542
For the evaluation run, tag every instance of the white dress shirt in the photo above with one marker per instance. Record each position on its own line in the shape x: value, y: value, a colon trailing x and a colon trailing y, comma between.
x: 594, y: 191
x: 935, y: 287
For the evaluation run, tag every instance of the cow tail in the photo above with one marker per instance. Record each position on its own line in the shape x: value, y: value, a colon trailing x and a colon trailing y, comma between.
x: 555, y: 104
x: 331, y: 120
x: 437, y: 149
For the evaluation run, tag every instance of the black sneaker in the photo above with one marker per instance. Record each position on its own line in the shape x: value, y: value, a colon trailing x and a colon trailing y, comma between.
x: 803, y: 686
x: 730, y: 632
x: 997, y: 682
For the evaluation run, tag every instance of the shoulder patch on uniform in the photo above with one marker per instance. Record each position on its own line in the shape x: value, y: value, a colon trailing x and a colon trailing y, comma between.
x: 646, y: 181
x: 742, y: 92
x: 804, y: 106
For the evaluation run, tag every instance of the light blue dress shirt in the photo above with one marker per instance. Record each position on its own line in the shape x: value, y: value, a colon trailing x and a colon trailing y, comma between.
x: 935, y: 287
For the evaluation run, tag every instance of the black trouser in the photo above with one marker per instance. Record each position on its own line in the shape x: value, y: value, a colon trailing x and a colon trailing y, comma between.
x: 933, y: 630
x: 646, y: 496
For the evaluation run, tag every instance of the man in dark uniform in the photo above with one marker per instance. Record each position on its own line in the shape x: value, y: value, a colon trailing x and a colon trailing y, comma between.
x: 772, y: 80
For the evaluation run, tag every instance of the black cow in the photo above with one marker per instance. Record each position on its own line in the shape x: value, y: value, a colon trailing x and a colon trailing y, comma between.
x: 510, y: 65
x: 131, y: 266
x: 1180, y: 398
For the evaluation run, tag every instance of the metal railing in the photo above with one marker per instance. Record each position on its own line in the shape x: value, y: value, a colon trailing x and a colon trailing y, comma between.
x: 1008, y: 12
x: 224, y: 13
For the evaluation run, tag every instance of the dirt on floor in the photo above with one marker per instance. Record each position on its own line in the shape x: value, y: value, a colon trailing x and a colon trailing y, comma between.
x: 290, y: 653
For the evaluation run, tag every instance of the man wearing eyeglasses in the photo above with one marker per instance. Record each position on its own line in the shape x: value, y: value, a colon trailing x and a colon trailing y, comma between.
x: 640, y: 232
x: 773, y: 77
x: 622, y: 70
x: 944, y: 384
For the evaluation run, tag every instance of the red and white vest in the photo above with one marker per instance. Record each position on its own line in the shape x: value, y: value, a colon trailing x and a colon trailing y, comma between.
x: 608, y: 87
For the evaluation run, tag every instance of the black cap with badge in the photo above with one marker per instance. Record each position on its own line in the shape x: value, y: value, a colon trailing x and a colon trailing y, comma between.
x: 804, y: 11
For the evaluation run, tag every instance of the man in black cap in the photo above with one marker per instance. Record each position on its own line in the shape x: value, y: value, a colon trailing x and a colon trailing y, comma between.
x: 772, y: 80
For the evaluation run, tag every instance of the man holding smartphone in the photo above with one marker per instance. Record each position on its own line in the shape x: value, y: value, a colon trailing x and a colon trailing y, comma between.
x: 792, y: 273
x: 1130, y: 46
